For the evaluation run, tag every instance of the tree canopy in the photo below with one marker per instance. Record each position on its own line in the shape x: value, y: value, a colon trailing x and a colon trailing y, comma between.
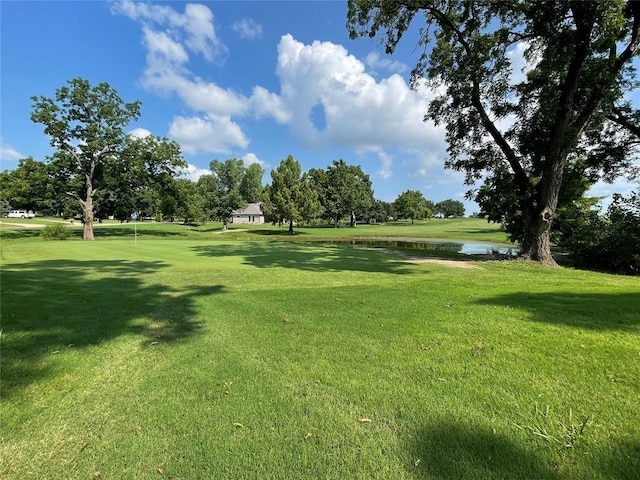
x: 412, y: 204
x: 27, y: 185
x: 450, y: 208
x: 223, y: 188
x: 343, y: 190
x: 251, y: 184
x: 290, y: 196
x: 86, y: 124
x: 522, y: 131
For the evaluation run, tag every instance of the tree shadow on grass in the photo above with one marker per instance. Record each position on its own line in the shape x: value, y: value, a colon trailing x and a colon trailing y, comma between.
x: 282, y: 233
x: 17, y: 234
x: 316, y: 257
x: 54, y: 305
x: 99, y: 231
x: 128, y: 232
x: 593, y: 311
x: 450, y: 451
x: 622, y: 462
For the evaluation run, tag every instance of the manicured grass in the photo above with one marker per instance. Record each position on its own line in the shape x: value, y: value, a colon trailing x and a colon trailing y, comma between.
x: 460, y: 228
x: 215, y: 358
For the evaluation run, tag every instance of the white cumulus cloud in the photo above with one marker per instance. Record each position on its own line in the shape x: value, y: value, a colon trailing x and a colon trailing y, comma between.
x: 201, y: 35
x: 423, y: 164
x: 386, y: 161
x: 267, y: 104
x: 213, y: 133
x: 377, y: 63
x: 250, y: 158
x: 194, y: 27
x: 194, y: 173
x: 163, y: 51
x: 247, y: 28
x: 140, y: 132
x: 169, y: 37
x: 360, y: 112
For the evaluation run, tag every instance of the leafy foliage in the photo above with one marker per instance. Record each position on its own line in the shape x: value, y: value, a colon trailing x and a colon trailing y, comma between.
x: 95, y: 160
x: 450, y: 208
x: 223, y: 189
x: 343, y: 190
x: 185, y: 199
x: 26, y: 186
x: 251, y: 184
x: 5, y: 206
x: 518, y: 133
x: 608, y: 242
x: 412, y: 204
x: 379, y: 211
x: 55, y: 232
x: 138, y: 177
x: 290, y: 197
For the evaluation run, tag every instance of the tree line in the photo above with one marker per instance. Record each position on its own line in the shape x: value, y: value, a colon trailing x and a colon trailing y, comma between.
x: 340, y: 193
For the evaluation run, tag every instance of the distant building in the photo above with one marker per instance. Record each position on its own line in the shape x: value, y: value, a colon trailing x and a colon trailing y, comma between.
x: 252, y: 213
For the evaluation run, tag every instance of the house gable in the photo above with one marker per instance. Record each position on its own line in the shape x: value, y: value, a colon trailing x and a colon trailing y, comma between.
x: 252, y: 213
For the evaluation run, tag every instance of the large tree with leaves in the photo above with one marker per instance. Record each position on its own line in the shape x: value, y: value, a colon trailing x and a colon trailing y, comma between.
x: 412, y: 204
x: 251, y: 184
x: 450, y: 208
x: 185, y: 199
x: 345, y: 189
x: 138, y: 177
x: 291, y: 196
x: 523, y: 130
x: 86, y: 124
x: 222, y: 189
x: 26, y: 186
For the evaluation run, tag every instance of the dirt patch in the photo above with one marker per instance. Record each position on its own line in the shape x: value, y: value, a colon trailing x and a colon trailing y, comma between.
x: 231, y: 231
x: 443, y: 262
x: 23, y: 225
x: 439, y: 261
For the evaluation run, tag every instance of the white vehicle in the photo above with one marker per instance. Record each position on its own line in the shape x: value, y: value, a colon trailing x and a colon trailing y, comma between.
x: 20, y: 214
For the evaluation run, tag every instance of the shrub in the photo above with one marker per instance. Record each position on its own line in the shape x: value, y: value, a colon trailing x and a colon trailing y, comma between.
x: 55, y: 232
x: 607, y: 242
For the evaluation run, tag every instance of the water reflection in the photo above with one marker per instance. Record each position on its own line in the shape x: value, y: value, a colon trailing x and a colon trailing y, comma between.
x: 455, y: 246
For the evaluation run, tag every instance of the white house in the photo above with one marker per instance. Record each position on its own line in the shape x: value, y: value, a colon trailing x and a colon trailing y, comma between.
x: 252, y: 213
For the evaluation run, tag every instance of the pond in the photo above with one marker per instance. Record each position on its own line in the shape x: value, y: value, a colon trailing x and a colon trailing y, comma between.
x: 435, y: 244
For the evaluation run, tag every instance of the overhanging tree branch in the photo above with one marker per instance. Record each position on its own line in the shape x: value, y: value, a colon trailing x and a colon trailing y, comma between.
x: 597, y: 94
x: 616, y: 116
x: 488, y: 124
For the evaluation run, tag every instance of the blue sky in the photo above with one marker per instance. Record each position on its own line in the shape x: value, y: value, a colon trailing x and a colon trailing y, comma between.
x: 252, y: 80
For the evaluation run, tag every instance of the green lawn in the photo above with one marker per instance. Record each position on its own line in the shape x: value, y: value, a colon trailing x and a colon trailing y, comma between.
x: 460, y: 228
x: 192, y: 355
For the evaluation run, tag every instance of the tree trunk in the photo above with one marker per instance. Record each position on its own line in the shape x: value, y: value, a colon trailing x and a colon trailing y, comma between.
x: 538, y: 212
x: 536, y: 244
x: 352, y: 219
x: 291, y: 227
x: 335, y: 222
x: 87, y: 213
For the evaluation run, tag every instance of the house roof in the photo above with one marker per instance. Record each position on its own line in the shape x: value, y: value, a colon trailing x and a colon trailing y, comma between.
x: 250, y: 209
